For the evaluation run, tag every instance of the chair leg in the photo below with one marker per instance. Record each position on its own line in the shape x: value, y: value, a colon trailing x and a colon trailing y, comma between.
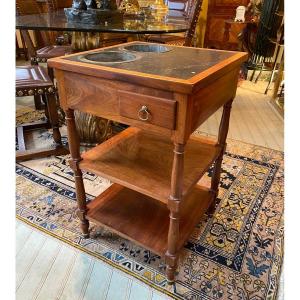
x: 37, y: 102
x: 17, y: 48
x: 24, y: 48
x: 45, y: 106
x: 260, y: 72
x: 50, y: 73
x: 53, y: 117
x: 57, y: 149
x: 20, y: 138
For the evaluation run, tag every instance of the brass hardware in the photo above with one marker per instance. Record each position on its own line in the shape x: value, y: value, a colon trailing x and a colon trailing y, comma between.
x: 143, y: 113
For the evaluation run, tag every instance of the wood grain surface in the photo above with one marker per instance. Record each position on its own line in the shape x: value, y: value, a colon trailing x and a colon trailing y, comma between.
x: 143, y: 162
x: 157, y: 159
x: 145, y: 221
x: 161, y: 112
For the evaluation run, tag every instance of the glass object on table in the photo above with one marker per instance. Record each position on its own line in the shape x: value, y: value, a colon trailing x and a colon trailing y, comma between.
x: 87, y: 36
x: 159, y: 11
x: 159, y: 8
x: 130, y: 6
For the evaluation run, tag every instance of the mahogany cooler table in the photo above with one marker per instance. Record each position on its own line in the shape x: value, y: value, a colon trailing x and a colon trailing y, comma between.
x: 164, y: 94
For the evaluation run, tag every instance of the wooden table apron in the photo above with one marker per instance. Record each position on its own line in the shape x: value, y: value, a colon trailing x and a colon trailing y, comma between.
x: 179, y: 107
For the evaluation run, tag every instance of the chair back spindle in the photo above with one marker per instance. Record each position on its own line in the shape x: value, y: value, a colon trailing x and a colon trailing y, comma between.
x: 194, y: 12
x: 29, y: 7
x: 190, y: 11
x: 181, y: 6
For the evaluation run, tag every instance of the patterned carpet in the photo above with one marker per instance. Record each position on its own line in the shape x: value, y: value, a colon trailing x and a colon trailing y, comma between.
x: 237, y: 254
x: 25, y: 114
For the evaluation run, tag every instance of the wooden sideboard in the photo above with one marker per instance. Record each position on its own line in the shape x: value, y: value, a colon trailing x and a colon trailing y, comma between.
x: 232, y: 30
x: 155, y: 164
x: 218, y: 12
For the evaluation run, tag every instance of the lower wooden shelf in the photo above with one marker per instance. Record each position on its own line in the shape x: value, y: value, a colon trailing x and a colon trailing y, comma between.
x: 144, y: 220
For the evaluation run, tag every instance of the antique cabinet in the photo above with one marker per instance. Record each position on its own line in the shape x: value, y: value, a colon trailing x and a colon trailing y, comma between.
x: 218, y: 12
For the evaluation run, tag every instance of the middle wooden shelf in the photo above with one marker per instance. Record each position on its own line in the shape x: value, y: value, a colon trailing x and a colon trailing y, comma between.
x: 142, y: 161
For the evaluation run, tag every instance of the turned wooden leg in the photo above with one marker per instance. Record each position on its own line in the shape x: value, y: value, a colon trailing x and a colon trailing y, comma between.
x: 37, y: 102
x: 53, y: 117
x: 44, y: 105
x: 50, y: 73
x: 174, y: 207
x: 223, y: 131
x: 74, y: 163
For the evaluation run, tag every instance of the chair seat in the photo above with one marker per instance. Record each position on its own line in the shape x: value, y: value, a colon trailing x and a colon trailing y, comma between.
x: 53, y: 51
x: 176, y: 42
x: 164, y: 38
x: 31, y: 80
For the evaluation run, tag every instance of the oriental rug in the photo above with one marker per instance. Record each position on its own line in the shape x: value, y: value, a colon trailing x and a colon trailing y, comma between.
x: 25, y: 114
x: 236, y: 254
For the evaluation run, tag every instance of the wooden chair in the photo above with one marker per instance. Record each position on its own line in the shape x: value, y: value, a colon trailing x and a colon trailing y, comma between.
x: 31, y: 81
x: 21, y: 48
x: 49, y: 50
x: 43, y: 38
x: 181, y: 6
x: 189, y: 9
x: 54, y: 5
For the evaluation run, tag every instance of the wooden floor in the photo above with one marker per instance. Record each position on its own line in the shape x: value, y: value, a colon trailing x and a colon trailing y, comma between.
x: 253, y: 119
x: 48, y: 269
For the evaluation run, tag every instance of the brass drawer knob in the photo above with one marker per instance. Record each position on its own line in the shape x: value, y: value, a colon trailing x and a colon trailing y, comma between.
x: 143, y: 113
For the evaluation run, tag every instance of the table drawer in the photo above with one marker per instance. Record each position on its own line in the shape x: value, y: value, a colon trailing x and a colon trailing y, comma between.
x: 148, y: 109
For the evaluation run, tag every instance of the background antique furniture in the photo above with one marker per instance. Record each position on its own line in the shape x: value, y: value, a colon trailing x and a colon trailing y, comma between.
x: 155, y: 165
x: 190, y: 10
x: 34, y: 53
x: 89, y: 40
x: 269, y: 37
x: 31, y: 81
x: 218, y: 12
x: 52, y: 6
x: 21, y: 47
x: 29, y: 7
x: 49, y: 50
x: 232, y: 30
x: 56, y: 21
x: 278, y: 60
x: 181, y: 6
